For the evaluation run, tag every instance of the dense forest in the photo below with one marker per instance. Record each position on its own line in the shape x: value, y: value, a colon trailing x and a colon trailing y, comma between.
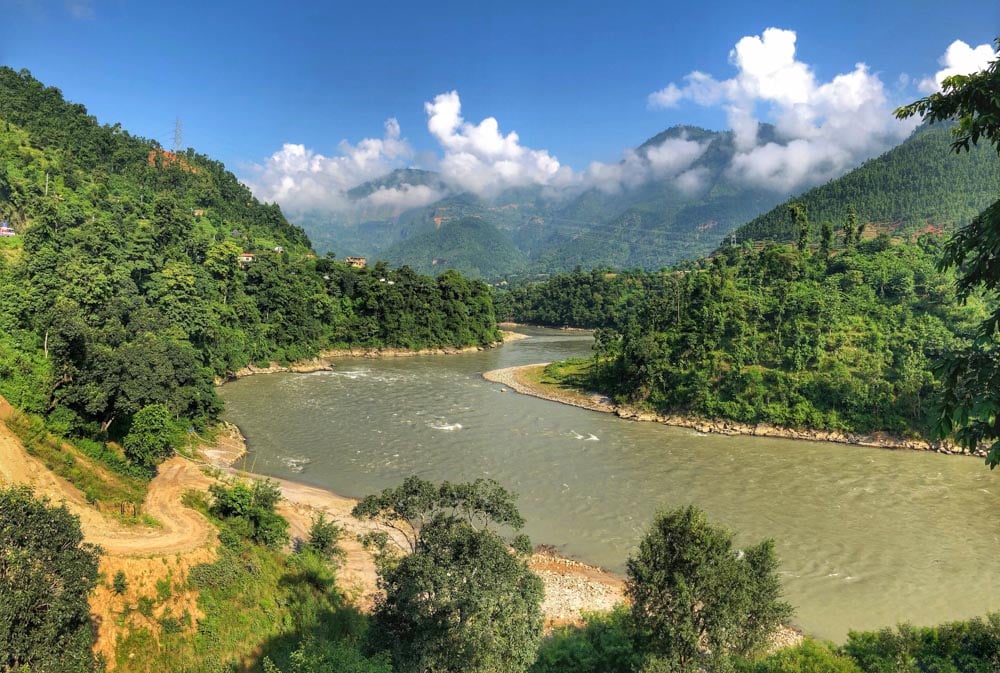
x: 138, y: 276
x: 841, y: 339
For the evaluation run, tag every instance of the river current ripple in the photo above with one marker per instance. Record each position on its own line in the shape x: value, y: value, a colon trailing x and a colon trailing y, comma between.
x: 866, y: 537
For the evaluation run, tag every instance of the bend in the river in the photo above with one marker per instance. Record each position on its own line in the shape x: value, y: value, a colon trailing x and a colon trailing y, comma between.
x: 867, y: 537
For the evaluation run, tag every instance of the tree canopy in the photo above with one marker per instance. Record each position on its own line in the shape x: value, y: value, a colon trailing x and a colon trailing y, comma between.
x: 693, y: 594
x: 461, y: 600
x: 971, y: 403
x: 46, y: 575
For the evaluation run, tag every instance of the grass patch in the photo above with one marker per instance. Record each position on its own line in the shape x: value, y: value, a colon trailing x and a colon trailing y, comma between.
x: 257, y: 603
x: 568, y: 379
x: 109, y: 489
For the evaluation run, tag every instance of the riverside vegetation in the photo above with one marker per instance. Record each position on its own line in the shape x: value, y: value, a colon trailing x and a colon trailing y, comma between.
x: 841, y: 339
x: 460, y: 600
x: 818, y: 329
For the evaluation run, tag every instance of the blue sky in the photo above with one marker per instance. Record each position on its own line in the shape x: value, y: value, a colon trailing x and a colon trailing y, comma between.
x: 572, y: 79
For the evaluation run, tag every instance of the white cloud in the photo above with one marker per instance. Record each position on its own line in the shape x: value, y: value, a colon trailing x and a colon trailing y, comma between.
x: 404, y: 197
x: 480, y: 159
x: 660, y: 162
x: 824, y: 128
x: 959, y: 59
x: 301, y: 179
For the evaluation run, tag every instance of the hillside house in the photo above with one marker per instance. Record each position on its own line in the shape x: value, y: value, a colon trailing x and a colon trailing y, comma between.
x: 356, y: 262
x: 6, y: 230
x: 247, y: 258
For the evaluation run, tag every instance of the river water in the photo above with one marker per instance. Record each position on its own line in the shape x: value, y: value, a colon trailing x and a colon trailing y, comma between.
x: 866, y: 537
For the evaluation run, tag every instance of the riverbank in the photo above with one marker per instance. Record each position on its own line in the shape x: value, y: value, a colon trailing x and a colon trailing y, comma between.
x: 324, y: 361
x: 525, y: 379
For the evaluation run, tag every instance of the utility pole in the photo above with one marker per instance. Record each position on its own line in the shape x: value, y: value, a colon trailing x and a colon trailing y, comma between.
x: 178, y: 135
x: 46, y: 183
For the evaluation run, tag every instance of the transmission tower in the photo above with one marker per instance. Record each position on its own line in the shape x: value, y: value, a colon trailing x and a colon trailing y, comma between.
x: 178, y: 136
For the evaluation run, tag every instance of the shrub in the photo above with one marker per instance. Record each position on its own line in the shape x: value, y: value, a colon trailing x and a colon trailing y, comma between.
x: 119, y: 584
x: 958, y: 647
x: 808, y: 657
x: 249, y: 510
x: 323, y: 536
x: 602, y: 645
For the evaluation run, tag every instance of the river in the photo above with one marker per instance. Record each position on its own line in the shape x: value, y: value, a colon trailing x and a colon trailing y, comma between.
x: 866, y: 537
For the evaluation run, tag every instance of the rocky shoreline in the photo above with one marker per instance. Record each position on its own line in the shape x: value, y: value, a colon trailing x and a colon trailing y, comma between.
x: 517, y: 380
x: 324, y: 361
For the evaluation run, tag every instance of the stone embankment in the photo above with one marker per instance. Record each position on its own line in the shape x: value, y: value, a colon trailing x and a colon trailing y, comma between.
x: 518, y: 380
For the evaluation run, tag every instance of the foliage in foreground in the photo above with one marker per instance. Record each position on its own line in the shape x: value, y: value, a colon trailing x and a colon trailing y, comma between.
x: 972, y: 377
x: 694, y: 596
x: 46, y: 574
x: 263, y: 610
x: 971, y: 646
x: 461, y: 600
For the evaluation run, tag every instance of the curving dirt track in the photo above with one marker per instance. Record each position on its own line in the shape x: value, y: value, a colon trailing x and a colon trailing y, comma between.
x: 182, y: 529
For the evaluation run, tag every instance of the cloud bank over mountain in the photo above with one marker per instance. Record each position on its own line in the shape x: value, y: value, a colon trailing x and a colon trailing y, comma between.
x: 823, y: 129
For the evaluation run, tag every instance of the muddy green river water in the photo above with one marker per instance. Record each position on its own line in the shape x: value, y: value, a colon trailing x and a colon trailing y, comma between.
x: 866, y: 537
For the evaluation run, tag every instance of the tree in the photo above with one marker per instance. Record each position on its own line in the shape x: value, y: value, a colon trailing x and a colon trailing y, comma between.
x: 851, y: 231
x: 693, y: 594
x: 409, y: 507
x: 800, y: 222
x: 461, y: 600
x: 46, y: 574
x: 323, y: 536
x: 249, y: 510
x: 825, y: 239
x: 970, y: 404
x: 151, y: 436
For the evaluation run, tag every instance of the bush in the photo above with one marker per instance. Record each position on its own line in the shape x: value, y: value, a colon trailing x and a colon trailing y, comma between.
x: 323, y: 536
x: 959, y: 647
x: 249, y: 510
x: 119, y: 584
x: 602, y: 645
x: 809, y: 657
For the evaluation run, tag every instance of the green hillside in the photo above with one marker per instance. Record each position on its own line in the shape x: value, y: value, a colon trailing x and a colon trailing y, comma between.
x: 917, y: 186
x: 139, y: 276
x: 470, y: 245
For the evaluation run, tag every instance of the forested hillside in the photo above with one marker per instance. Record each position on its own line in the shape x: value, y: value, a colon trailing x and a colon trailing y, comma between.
x: 137, y: 276
x: 914, y: 187
x: 470, y: 245
x: 845, y: 340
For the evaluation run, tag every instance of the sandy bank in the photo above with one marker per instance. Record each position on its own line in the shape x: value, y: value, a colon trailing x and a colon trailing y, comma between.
x: 520, y: 380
